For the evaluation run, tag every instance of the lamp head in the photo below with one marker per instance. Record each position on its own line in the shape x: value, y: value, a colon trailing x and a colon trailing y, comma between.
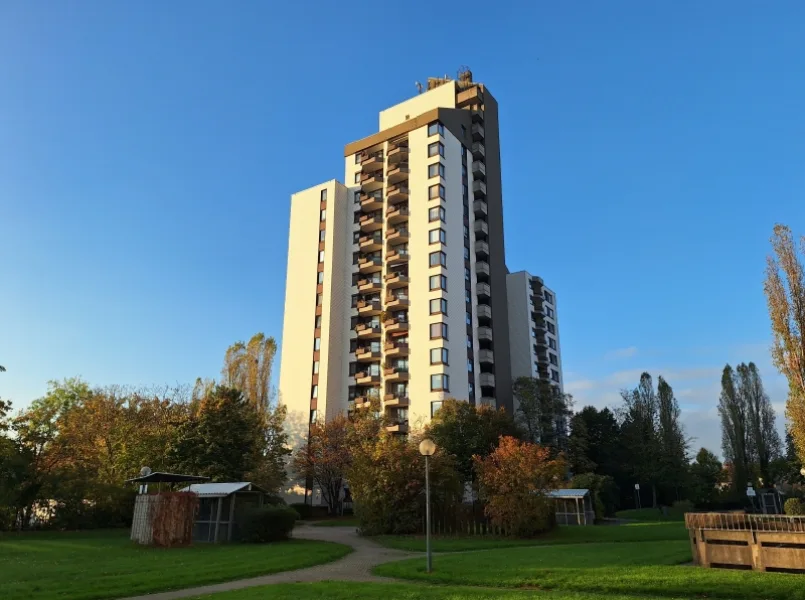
x: 427, y: 447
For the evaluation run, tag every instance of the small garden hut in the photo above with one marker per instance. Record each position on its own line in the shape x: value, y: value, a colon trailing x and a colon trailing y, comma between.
x: 573, y: 506
x: 222, y: 508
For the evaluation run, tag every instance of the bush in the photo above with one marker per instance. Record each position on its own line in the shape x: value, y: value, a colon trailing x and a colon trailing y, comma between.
x: 269, y: 524
x: 682, y: 506
x: 794, y: 507
x: 305, y: 510
x: 604, y: 490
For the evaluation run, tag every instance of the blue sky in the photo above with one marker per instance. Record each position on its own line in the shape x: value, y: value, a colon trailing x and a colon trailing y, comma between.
x: 148, y: 152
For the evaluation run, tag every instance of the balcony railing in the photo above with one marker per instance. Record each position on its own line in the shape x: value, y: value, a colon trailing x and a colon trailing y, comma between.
x: 482, y: 249
x: 397, y: 212
x: 481, y: 209
x: 485, y: 334
x: 397, y: 193
x: 484, y: 311
x: 395, y: 400
x: 371, y: 222
x: 371, y: 162
x: 479, y: 169
x: 477, y: 132
x: 370, y: 264
x: 397, y: 302
x: 369, y: 307
x: 397, y: 235
x: 478, y: 150
x: 371, y: 242
x: 397, y: 152
x: 482, y: 270
x: 395, y: 325
x: 369, y: 285
x: 486, y: 357
x: 371, y: 182
x: 371, y: 201
x: 396, y: 280
x: 483, y: 290
x: 479, y: 189
x: 396, y: 256
x: 396, y: 349
x: 398, y: 172
x: 487, y: 380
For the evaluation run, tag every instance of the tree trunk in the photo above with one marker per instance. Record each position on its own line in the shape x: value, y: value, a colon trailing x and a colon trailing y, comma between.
x: 653, y: 496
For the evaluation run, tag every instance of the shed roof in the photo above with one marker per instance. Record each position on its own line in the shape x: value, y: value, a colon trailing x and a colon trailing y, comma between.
x: 219, y: 490
x: 570, y: 493
x: 158, y: 477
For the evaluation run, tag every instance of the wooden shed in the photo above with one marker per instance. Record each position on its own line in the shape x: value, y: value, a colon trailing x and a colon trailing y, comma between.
x: 573, y: 506
x: 222, y: 508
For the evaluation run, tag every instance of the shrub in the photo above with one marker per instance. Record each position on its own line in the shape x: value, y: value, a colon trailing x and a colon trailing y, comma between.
x: 305, y: 510
x: 682, y: 506
x: 268, y: 524
x: 603, y: 488
x: 794, y: 507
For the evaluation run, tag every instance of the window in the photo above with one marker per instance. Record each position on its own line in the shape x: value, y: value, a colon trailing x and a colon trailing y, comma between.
x: 467, y: 298
x: 436, y: 170
x: 322, y: 235
x: 356, y: 237
x: 317, y: 344
x: 466, y: 273
x: 321, y: 255
x: 314, y: 391
x: 318, y: 322
x: 436, y: 236
x: 356, y: 197
x: 469, y: 319
x: 440, y: 383
x: 466, y: 232
x: 358, y: 177
x: 436, y: 149
x: 435, y: 127
x: 552, y: 343
x: 469, y: 365
x: 357, y: 158
x: 469, y: 342
x: 437, y: 213
x: 549, y: 311
x: 323, y: 214
x: 555, y: 375
x: 313, y: 416
x: 438, y: 306
x: 438, y: 282
x: 551, y: 327
x: 465, y: 191
x: 553, y: 359
x: 438, y: 330
x: 438, y: 258
x: 318, y: 299
x: 353, y: 345
x: 466, y: 253
x: 548, y: 297
x: 324, y: 197
x: 320, y: 277
x: 353, y: 367
x: 436, y: 191
x: 438, y: 356
x: 435, y: 407
x: 315, y: 367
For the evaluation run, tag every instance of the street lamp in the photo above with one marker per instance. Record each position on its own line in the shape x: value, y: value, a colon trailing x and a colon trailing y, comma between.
x: 426, y: 448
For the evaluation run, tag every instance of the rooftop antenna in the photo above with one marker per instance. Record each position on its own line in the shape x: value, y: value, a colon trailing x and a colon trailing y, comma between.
x: 418, y: 87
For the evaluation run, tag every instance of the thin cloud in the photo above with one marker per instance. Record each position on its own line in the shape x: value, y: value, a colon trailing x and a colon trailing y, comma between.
x: 621, y: 353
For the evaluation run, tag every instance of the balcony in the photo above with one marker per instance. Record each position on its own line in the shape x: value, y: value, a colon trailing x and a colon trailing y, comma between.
x: 479, y: 189
x: 398, y: 427
x: 478, y: 151
x: 371, y: 202
x: 371, y: 162
x: 395, y: 374
x: 395, y: 400
x: 481, y: 209
x: 373, y: 222
x: 393, y: 325
x: 365, y: 330
x: 369, y: 307
x: 370, y: 264
x: 366, y: 355
x: 397, y: 193
x: 398, y: 172
x: 477, y: 116
x: 482, y: 271
x: 486, y: 357
x: 481, y: 230
x: 395, y: 280
x: 369, y: 285
x: 370, y: 243
x: 397, y: 256
x: 484, y: 312
x: 485, y: 334
x: 362, y: 401
x: 396, y: 349
x: 488, y: 401
x: 393, y: 302
x: 483, y: 291
x: 487, y: 380
x: 397, y: 213
x: 397, y: 235
x: 482, y: 249
x: 477, y: 132
x: 371, y: 182
x: 478, y: 169
x: 366, y: 378
x: 397, y: 153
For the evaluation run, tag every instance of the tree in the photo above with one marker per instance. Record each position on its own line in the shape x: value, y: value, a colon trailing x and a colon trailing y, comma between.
x: 325, y: 458
x: 706, y: 472
x: 763, y: 440
x: 247, y: 367
x: 464, y: 430
x: 542, y: 411
x: 514, y: 480
x: 785, y: 294
x: 639, y: 433
x: 732, y: 409
x: 578, y: 451
x: 2, y: 369
x: 673, y: 459
x: 604, y: 489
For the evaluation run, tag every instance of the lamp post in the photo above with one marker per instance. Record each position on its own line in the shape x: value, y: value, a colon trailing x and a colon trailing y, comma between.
x: 426, y: 448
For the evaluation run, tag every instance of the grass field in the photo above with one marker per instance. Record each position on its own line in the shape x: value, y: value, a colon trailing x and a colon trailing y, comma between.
x: 335, y: 590
x: 641, y: 569
x: 105, y: 564
x: 638, y: 532
x: 651, y: 514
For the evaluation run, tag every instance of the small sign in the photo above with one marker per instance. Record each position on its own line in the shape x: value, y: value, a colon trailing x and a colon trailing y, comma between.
x: 637, y: 486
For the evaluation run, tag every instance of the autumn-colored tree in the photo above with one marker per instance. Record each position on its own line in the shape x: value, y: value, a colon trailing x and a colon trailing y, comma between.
x: 247, y: 367
x: 513, y: 482
x: 785, y: 294
x: 325, y: 458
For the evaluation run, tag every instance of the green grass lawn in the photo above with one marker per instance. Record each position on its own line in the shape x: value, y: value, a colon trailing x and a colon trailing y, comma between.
x: 105, y: 564
x: 340, y: 522
x: 638, y: 532
x: 336, y: 590
x: 639, y: 569
x: 651, y: 514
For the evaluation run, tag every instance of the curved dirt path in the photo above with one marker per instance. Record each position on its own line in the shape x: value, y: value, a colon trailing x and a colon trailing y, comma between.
x: 355, y: 566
